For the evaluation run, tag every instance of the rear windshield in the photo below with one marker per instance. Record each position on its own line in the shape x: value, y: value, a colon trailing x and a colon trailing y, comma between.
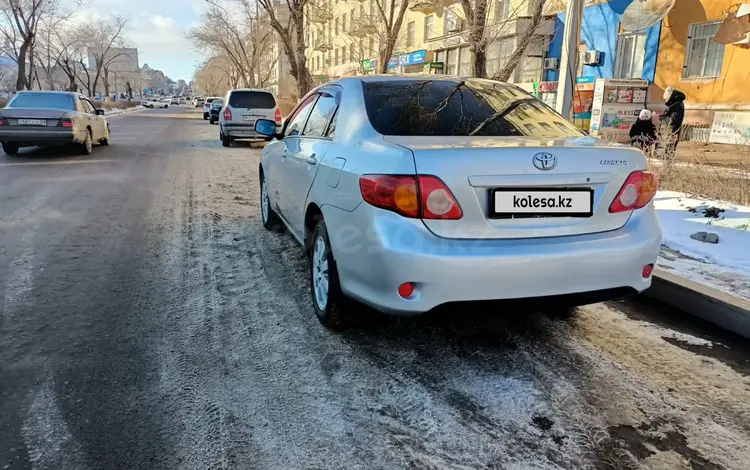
x: 217, y: 103
x: 460, y: 108
x: 251, y: 99
x: 43, y: 100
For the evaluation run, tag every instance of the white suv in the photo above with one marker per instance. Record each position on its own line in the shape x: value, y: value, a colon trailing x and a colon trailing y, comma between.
x: 242, y: 108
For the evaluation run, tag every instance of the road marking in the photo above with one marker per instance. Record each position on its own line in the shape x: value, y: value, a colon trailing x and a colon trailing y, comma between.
x: 67, y: 162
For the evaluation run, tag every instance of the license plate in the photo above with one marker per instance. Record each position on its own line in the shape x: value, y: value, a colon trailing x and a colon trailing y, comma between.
x: 32, y: 122
x: 564, y: 202
x: 248, y: 118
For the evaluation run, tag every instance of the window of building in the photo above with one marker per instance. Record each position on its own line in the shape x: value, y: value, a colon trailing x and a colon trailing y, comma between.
x: 411, y: 31
x: 372, y: 51
x: 351, y: 53
x: 464, y: 61
x: 452, y: 22
x: 343, y: 54
x: 530, y: 69
x: 428, y: 25
x: 631, y: 49
x: 502, y: 10
x: 451, y: 61
x: 343, y: 23
x: 361, y: 11
x: 336, y: 23
x: 336, y: 57
x: 704, y: 57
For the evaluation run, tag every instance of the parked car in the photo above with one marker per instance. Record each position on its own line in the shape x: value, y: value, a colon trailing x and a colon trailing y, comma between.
x: 207, y: 105
x: 52, y: 118
x: 215, y: 110
x: 242, y: 108
x: 156, y: 103
x: 409, y: 193
x: 198, y: 102
x: 181, y: 100
x: 174, y: 100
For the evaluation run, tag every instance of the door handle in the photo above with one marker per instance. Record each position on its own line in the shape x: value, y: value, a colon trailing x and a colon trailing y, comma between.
x: 311, y: 160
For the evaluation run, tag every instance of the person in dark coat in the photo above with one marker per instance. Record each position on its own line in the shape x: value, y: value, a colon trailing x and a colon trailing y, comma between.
x: 643, y: 131
x: 674, y: 115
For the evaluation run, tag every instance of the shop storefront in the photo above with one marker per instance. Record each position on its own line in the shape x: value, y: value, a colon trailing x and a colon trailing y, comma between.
x: 406, y: 63
x: 454, y: 53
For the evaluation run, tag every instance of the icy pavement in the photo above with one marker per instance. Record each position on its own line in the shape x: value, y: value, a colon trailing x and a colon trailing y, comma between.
x: 724, y: 265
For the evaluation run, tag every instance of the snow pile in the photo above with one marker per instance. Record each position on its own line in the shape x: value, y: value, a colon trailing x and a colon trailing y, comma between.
x: 116, y: 111
x: 724, y: 265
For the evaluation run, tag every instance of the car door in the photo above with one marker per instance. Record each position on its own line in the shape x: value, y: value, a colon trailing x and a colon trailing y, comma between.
x: 282, y: 174
x: 97, y: 122
x: 88, y: 113
x: 303, y: 164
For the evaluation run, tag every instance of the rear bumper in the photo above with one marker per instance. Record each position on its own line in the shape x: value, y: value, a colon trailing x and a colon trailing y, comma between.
x: 27, y: 137
x: 377, y: 250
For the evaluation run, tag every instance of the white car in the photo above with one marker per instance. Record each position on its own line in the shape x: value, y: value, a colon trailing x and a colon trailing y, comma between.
x: 155, y: 103
x: 411, y: 192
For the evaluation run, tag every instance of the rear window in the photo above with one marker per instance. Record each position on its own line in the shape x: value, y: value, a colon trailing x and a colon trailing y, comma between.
x: 217, y: 103
x: 43, y: 100
x: 251, y: 99
x: 460, y: 108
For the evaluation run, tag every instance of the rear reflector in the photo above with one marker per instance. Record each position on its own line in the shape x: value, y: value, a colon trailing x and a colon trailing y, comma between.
x: 637, y: 191
x: 425, y: 196
x: 406, y: 289
x: 647, y: 271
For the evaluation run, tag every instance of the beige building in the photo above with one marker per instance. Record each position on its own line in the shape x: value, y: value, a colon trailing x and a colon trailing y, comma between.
x: 344, y: 37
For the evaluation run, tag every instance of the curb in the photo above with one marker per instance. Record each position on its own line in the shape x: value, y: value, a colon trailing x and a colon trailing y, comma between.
x: 717, y: 307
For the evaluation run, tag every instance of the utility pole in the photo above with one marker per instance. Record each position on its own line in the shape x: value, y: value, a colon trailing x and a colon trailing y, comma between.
x: 569, y: 58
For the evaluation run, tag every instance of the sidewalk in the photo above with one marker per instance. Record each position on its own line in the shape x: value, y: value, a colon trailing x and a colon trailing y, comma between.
x: 723, y: 155
x: 709, y: 280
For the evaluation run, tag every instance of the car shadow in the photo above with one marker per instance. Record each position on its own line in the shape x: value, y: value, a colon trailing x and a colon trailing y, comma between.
x: 43, y: 154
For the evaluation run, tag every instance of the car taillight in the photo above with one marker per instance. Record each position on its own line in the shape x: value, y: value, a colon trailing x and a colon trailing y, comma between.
x: 639, y: 189
x: 66, y: 122
x: 227, y: 114
x: 425, y: 197
x: 278, y: 116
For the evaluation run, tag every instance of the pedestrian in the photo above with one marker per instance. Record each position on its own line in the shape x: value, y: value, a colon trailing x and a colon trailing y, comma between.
x: 673, y: 115
x: 643, y: 131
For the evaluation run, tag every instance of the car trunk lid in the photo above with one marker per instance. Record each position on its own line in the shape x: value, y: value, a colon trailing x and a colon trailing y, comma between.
x: 23, y: 117
x: 486, y: 173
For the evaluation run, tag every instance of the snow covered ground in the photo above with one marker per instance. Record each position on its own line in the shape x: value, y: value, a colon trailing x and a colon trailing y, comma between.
x: 116, y: 111
x: 724, y: 265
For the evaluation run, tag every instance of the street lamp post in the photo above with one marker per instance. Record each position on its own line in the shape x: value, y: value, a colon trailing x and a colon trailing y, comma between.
x: 569, y: 57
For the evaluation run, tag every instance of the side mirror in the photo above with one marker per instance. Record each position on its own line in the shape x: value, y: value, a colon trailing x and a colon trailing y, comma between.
x: 266, y: 127
x: 99, y: 112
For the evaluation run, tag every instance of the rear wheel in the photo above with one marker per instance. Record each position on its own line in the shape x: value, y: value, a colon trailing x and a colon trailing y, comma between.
x: 329, y: 302
x: 10, y: 148
x: 205, y: 116
x: 166, y: 106
x: 226, y: 141
x: 87, y: 147
x: 105, y: 140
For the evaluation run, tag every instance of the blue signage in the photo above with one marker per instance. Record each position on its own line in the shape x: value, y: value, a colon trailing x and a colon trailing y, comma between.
x: 412, y: 58
x: 585, y: 79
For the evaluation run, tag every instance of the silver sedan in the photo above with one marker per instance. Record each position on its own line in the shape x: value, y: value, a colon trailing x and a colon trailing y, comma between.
x: 413, y: 192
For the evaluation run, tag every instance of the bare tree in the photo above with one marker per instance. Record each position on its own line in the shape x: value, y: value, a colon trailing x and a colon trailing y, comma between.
x: 240, y: 38
x: 19, y: 21
x: 213, y: 78
x: 391, y: 19
x: 287, y: 18
x: 523, y: 42
x: 70, y: 45
x: 102, y: 38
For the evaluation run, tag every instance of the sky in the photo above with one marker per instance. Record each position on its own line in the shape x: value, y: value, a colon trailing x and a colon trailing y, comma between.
x: 157, y: 28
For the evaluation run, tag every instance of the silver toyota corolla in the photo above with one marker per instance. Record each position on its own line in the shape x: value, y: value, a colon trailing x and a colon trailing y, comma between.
x: 412, y: 192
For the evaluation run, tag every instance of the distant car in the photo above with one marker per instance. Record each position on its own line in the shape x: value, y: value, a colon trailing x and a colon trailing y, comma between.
x: 242, y: 107
x: 411, y: 192
x: 156, y: 103
x: 52, y: 118
x: 215, y: 110
x: 198, y: 102
x: 207, y: 105
x: 174, y: 100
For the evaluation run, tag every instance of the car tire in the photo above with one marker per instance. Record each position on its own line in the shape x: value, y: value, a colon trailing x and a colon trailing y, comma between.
x: 151, y: 106
x: 87, y: 147
x: 105, y: 140
x: 211, y: 121
x: 166, y: 106
x: 221, y: 135
x: 205, y: 117
x: 226, y: 141
x: 10, y: 148
x: 329, y: 302
x: 270, y: 219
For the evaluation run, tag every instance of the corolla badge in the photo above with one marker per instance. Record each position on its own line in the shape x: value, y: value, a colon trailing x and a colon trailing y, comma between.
x: 544, y: 161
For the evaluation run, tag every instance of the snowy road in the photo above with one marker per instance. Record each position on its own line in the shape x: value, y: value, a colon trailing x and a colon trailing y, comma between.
x: 149, y: 322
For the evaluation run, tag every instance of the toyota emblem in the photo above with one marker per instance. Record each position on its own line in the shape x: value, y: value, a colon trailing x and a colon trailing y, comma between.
x: 545, y: 161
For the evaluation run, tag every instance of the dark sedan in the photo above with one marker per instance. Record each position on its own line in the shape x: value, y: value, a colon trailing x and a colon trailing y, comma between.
x: 213, y: 112
x: 45, y: 118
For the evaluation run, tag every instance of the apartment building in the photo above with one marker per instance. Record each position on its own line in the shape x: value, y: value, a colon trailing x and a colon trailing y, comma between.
x: 344, y: 37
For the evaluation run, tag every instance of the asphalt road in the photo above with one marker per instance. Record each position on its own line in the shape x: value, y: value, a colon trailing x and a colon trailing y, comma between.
x: 149, y: 322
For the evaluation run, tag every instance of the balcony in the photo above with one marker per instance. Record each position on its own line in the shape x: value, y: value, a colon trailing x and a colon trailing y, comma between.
x: 362, y: 27
x: 323, y: 45
x: 319, y: 13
